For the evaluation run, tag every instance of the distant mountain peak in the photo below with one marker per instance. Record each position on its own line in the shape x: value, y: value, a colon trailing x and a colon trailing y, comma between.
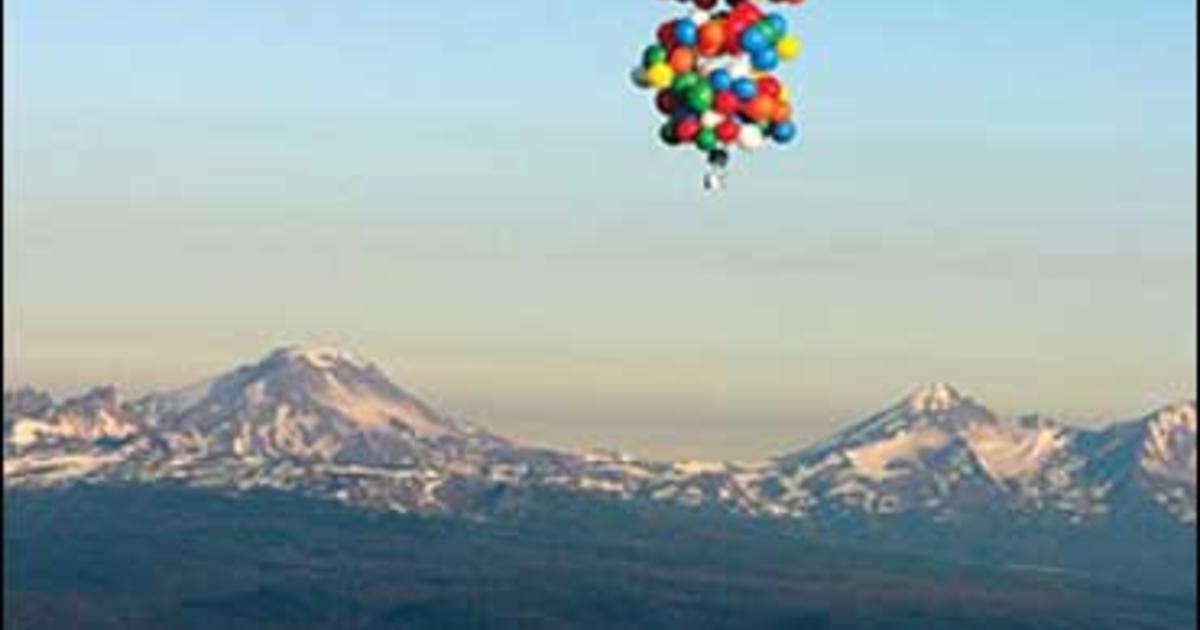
x: 101, y: 397
x: 305, y: 370
x: 936, y: 406
x: 934, y: 398
x: 33, y: 419
x: 320, y: 357
x: 301, y: 403
x: 1178, y: 414
x: 26, y: 401
x: 1168, y: 447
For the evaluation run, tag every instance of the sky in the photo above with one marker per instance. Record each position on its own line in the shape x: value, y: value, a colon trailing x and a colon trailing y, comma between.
x: 471, y: 194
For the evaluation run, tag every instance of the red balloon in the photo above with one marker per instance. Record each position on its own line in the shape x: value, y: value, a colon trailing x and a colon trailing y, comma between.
x: 770, y: 86
x: 666, y: 101
x: 728, y: 131
x: 686, y: 129
x: 726, y: 102
x: 747, y: 11
x: 666, y: 35
x: 733, y: 32
x: 711, y: 37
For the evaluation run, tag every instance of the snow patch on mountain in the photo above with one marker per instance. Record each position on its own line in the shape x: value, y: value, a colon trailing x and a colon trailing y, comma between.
x: 98, y: 414
x: 1010, y: 451
x: 934, y: 398
x: 322, y: 357
x: 893, y: 455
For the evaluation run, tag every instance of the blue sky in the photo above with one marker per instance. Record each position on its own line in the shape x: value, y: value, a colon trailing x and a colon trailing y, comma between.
x: 1000, y: 195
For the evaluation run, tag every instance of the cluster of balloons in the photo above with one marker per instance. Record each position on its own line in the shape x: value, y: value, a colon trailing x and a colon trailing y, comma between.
x: 712, y: 76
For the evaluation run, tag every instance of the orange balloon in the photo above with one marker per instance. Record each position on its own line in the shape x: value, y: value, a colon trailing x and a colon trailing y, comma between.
x: 782, y: 113
x: 760, y: 108
x: 682, y: 60
x: 711, y: 38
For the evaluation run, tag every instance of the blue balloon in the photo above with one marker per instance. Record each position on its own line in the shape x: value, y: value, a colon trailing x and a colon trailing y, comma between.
x: 784, y: 132
x: 720, y: 80
x: 778, y: 24
x: 753, y: 40
x: 745, y: 88
x: 765, y: 60
x: 685, y: 32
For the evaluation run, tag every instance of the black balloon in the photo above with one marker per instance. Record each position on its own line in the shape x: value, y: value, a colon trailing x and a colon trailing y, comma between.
x: 718, y: 158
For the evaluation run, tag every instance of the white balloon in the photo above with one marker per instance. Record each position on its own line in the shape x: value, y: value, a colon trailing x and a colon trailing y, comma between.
x: 711, y: 119
x: 750, y: 137
x: 700, y: 16
x: 706, y: 66
x: 740, y: 67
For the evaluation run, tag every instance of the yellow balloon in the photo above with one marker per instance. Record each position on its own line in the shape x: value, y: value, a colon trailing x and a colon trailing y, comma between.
x: 660, y: 75
x: 785, y: 95
x: 788, y: 47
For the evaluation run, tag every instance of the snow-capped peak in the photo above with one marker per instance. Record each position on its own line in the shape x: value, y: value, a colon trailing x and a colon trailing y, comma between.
x: 933, y: 398
x: 1180, y: 415
x: 1169, y: 445
x: 930, y: 417
x: 320, y: 357
x: 312, y: 403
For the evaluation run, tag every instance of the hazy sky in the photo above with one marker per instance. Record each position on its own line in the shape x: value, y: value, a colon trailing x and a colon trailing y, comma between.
x: 999, y: 195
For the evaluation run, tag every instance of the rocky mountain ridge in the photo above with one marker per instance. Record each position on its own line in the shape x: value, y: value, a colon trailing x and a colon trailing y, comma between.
x: 328, y: 424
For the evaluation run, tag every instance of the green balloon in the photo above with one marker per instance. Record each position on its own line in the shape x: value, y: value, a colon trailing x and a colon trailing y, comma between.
x: 700, y: 97
x: 654, y: 55
x: 706, y: 140
x: 770, y: 32
x: 684, y: 82
x: 667, y: 134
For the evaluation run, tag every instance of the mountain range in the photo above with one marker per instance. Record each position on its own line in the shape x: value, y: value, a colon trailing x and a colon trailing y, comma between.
x: 936, y: 472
